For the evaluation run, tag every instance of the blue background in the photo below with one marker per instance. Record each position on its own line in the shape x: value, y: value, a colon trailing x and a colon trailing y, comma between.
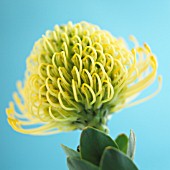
x: 23, y: 22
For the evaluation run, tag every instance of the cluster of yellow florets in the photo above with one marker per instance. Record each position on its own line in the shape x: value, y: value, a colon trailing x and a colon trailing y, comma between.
x: 78, y: 75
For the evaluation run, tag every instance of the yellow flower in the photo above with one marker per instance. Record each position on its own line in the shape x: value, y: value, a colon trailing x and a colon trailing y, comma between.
x: 78, y: 75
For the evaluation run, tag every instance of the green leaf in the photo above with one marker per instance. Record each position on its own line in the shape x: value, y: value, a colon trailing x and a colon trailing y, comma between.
x: 113, y: 159
x: 131, y: 145
x: 70, y: 152
x: 78, y: 164
x: 122, y: 142
x: 92, y: 144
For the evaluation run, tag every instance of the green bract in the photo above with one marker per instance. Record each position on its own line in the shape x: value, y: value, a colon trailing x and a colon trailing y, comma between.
x: 99, y: 152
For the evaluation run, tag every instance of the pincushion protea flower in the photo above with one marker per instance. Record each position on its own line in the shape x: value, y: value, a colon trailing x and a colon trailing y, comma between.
x: 77, y: 76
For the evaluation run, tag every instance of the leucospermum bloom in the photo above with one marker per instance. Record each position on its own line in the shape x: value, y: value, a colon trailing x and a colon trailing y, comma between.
x: 78, y: 75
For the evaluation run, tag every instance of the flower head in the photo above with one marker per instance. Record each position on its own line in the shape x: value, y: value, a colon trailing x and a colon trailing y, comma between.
x: 78, y: 75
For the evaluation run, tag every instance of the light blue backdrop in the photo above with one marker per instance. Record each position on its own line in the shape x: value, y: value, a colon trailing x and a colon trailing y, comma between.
x: 23, y: 22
